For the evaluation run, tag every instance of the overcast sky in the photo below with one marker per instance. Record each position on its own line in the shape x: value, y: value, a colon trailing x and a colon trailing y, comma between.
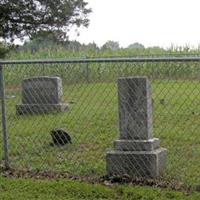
x: 150, y: 22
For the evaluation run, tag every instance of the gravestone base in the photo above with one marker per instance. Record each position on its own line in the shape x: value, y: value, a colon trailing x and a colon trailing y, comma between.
x: 142, y: 164
x: 136, y: 145
x: 25, y: 109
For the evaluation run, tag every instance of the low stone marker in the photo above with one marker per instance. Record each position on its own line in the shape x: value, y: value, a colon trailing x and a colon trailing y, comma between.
x: 136, y: 153
x: 41, y: 95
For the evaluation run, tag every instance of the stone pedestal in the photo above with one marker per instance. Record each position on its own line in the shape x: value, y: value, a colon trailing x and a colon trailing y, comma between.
x: 41, y: 95
x: 136, y: 153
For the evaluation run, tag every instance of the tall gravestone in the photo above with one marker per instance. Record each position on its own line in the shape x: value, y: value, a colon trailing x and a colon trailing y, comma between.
x: 136, y: 153
x: 41, y: 95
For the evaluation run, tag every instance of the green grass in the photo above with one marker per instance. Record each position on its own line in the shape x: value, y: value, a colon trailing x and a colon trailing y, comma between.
x: 24, y: 189
x: 93, y: 124
x: 57, y: 51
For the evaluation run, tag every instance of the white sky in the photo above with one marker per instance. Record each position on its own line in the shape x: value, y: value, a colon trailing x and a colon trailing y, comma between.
x: 150, y: 22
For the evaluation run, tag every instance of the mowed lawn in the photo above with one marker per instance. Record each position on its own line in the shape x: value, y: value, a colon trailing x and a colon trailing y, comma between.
x: 24, y: 189
x: 92, y: 121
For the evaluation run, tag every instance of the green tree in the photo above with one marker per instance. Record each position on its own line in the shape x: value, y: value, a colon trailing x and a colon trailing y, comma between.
x: 42, y: 40
x: 19, y: 18
x: 3, y: 49
x: 136, y: 45
x: 111, y: 45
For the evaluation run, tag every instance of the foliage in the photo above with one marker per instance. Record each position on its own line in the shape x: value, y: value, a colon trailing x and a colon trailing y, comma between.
x: 45, y: 44
x: 5, y: 48
x: 19, y: 18
x: 45, y: 49
x: 136, y: 45
x: 111, y: 45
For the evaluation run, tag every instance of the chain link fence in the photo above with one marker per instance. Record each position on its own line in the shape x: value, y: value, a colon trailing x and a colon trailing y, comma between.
x: 90, y: 116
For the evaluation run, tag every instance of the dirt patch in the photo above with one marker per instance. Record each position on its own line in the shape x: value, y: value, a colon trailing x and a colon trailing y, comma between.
x: 104, y: 180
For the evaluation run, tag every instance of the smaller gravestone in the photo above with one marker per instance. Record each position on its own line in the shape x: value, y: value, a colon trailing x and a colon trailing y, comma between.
x: 136, y: 153
x: 41, y: 95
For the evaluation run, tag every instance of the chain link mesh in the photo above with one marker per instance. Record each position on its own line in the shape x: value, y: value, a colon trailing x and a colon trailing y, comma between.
x: 91, y: 92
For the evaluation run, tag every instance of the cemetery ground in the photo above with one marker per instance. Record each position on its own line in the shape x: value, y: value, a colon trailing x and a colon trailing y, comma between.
x: 92, y: 121
x: 65, y: 189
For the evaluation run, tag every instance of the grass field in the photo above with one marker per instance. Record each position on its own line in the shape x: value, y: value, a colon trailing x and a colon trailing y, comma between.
x: 92, y: 121
x: 23, y: 189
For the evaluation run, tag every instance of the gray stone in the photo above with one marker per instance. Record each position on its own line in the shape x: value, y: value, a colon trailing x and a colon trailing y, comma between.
x: 136, y: 153
x: 135, y: 108
x: 40, y: 108
x: 137, y: 145
x: 137, y: 164
x: 42, y: 90
x: 41, y: 95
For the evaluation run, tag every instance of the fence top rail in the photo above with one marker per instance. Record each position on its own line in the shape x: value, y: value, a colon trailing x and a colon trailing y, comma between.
x: 102, y: 60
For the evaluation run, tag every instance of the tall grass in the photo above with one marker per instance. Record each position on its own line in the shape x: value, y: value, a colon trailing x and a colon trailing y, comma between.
x: 56, y: 51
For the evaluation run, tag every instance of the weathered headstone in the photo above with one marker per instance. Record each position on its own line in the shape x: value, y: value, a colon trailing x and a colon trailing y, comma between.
x: 136, y: 153
x: 41, y: 95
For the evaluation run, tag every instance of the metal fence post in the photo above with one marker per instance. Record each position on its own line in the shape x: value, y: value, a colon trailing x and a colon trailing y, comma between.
x: 87, y: 72
x: 4, y: 121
